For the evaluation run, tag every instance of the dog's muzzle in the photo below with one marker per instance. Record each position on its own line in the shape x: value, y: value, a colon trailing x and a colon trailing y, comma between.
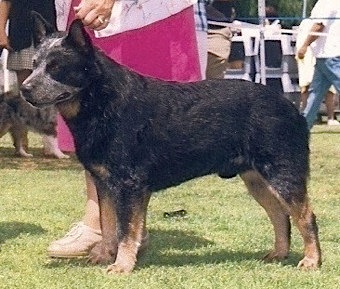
x: 28, y: 93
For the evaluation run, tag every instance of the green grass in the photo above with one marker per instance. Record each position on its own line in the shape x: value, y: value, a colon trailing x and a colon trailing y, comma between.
x: 217, y: 245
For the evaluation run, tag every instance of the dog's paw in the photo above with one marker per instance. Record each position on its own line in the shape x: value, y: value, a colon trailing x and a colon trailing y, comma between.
x: 274, y: 256
x: 308, y: 263
x: 101, y: 254
x: 62, y: 156
x: 24, y: 154
x: 120, y: 268
x: 56, y: 154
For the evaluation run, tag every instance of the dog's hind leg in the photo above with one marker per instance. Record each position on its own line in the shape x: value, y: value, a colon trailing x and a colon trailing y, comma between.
x: 131, y: 212
x: 305, y: 220
x: 278, y: 216
x: 278, y: 210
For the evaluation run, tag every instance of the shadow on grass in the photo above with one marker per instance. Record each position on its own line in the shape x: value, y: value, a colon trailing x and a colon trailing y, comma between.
x: 11, y: 230
x: 82, y: 262
x: 176, y: 248
x: 38, y: 162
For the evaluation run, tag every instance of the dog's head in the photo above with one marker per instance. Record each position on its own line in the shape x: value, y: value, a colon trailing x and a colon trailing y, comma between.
x: 62, y: 63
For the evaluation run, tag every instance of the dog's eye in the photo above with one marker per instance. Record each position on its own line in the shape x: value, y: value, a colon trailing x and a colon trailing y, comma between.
x: 52, y: 67
x: 35, y: 63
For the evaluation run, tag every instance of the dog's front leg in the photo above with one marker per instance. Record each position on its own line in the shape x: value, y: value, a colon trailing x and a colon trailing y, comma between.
x: 105, y: 251
x: 131, y: 216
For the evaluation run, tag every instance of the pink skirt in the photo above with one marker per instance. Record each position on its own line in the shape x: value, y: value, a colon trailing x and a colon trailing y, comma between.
x: 166, y: 50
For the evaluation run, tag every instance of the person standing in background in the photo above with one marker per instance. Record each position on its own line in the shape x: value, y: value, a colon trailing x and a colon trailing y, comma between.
x: 201, y: 23
x: 306, y: 71
x: 219, y: 37
x: 326, y: 49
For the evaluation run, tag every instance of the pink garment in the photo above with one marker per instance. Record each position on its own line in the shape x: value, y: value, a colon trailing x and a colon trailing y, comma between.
x: 166, y: 49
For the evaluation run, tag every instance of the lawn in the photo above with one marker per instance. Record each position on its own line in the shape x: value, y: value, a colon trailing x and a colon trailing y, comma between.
x: 218, y: 244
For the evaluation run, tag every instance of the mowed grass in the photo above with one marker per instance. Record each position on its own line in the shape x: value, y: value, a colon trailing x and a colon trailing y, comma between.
x: 218, y: 244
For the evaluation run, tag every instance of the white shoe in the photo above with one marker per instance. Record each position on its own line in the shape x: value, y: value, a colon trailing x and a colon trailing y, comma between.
x: 78, y: 242
x: 333, y: 122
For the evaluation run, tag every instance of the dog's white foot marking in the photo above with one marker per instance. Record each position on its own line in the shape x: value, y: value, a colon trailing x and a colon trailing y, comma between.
x: 23, y: 153
x: 51, y: 147
x: 308, y: 263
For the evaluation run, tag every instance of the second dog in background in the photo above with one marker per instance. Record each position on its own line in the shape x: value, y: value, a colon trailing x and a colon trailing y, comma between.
x: 17, y: 117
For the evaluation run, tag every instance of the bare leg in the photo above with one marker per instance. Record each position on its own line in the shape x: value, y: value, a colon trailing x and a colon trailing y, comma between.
x: 329, y: 101
x: 304, y: 96
x: 91, y: 215
x: 83, y: 236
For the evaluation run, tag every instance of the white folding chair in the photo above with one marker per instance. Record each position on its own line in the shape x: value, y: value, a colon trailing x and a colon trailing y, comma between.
x: 282, y: 53
x: 249, y: 40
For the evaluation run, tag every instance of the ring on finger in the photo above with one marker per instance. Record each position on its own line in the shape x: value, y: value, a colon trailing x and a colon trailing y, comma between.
x: 101, y: 19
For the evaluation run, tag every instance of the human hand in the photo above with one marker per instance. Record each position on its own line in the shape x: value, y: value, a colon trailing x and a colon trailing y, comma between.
x: 4, y: 42
x: 302, y: 51
x: 94, y: 14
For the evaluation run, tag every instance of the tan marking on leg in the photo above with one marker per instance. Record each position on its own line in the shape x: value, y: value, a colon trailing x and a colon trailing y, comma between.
x: 305, y: 220
x: 105, y: 251
x: 278, y: 216
x: 108, y: 221
x: 129, y: 246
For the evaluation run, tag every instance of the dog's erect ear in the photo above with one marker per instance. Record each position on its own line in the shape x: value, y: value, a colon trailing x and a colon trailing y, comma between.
x: 79, y: 38
x: 41, y: 28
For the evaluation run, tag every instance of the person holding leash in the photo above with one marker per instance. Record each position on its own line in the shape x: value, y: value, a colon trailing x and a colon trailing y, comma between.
x: 152, y: 45
x: 326, y: 48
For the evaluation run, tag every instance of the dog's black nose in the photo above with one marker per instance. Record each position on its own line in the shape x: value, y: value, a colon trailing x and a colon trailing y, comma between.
x: 26, y: 88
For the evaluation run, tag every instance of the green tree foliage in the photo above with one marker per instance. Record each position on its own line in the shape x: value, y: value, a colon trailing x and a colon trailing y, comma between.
x: 285, y: 9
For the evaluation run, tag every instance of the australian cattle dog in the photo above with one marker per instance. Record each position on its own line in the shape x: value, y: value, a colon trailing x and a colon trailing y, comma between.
x: 18, y: 117
x: 137, y: 135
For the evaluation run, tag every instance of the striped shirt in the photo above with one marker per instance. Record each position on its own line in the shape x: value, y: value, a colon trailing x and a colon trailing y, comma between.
x: 201, y: 15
